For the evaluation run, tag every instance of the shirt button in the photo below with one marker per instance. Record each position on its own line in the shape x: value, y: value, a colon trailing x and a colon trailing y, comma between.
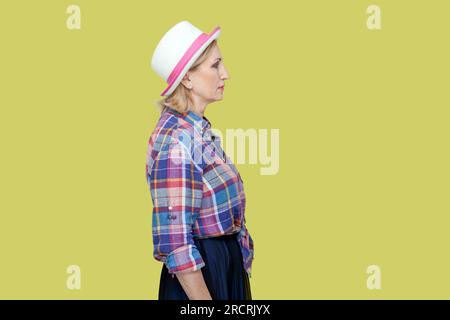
x: 170, y: 208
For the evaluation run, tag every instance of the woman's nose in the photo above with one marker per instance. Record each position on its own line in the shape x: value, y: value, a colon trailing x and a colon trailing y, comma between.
x: 225, y: 74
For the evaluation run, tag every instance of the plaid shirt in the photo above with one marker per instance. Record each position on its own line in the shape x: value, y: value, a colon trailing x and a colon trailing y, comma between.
x: 196, y: 190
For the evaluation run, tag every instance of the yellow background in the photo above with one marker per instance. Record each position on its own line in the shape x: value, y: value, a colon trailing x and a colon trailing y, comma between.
x: 364, y: 132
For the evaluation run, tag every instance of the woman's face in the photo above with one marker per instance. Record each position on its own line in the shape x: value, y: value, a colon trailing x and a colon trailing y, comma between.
x: 208, y: 79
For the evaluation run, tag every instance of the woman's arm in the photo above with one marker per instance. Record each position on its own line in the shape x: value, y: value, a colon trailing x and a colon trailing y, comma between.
x: 194, y: 285
x: 176, y: 186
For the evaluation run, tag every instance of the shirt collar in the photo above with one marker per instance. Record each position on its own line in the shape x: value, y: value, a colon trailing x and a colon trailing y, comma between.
x: 194, y: 119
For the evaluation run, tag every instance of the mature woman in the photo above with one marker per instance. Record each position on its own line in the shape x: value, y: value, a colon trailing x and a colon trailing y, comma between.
x: 198, y: 197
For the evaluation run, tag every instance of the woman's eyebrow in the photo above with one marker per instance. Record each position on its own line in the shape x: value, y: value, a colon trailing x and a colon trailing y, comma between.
x: 217, y: 59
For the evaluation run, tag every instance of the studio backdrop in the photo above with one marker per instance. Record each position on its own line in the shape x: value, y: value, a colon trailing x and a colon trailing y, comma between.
x: 336, y: 114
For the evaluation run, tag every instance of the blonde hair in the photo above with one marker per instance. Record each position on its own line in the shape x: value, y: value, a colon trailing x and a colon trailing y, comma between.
x: 180, y: 99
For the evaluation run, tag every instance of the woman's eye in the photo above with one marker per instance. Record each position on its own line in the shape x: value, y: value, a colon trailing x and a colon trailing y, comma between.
x: 215, y: 65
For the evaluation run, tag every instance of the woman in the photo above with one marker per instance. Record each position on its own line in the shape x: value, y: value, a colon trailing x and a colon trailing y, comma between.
x: 198, y: 197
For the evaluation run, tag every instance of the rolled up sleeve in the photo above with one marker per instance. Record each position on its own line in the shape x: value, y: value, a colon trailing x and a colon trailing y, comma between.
x: 176, y: 188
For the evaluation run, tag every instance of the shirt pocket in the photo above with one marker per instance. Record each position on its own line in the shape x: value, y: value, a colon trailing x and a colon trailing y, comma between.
x: 224, y: 182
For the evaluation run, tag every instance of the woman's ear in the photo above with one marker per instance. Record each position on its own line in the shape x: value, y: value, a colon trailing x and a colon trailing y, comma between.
x: 186, y: 81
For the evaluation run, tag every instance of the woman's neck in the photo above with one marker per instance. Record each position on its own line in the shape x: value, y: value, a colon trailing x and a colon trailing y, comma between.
x: 199, y: 107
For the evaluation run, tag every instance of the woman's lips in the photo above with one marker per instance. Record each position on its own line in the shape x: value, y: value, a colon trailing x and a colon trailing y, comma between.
x: 222, y: 87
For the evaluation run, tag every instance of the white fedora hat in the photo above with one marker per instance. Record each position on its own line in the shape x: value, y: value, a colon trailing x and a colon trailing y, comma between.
x: 177, y: 51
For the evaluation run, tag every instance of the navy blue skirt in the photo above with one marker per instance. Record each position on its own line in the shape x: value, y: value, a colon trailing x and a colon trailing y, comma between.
x: 223, y: 272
